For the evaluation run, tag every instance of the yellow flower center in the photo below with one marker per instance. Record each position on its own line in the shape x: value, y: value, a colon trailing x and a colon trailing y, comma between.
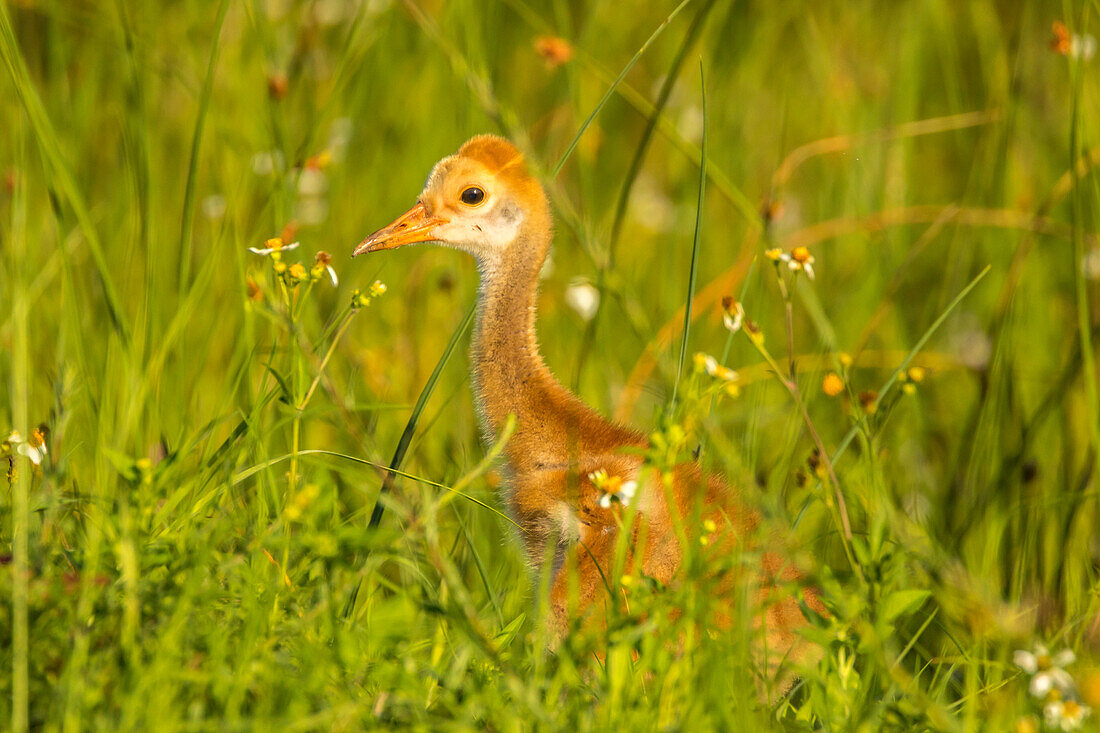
x: 38, y: 438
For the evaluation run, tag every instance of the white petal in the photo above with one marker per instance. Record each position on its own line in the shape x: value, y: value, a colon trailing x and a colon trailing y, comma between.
x: 627, y: 491
x: 1064, y: 658
x: 809, y: 268
x: 14, y: 438
x: 605, y: 501
x: 1041, y: 684
x: 584, y: 299
x: 292, y: 245
x: 1062, y: 679
x: 332, y: 276
x: 31, y: 453
x: 733, y: 323
x: 264, y: 251
x: 1026, y: 661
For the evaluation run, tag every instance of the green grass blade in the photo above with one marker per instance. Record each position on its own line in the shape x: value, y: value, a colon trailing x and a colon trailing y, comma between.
x: 19, y: 480
x: 410, y: 426
x: 608, y: 263
x: 251, y: 471
x: 611, y: 89
x: 889, y: 383
x: 697, y: 24
x: 1084, y: 317
x: 62, y: 176
x: 196, y: 145
x: 694, y: 245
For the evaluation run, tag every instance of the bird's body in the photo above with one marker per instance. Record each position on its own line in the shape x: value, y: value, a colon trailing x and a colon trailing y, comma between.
x: 484, y: 201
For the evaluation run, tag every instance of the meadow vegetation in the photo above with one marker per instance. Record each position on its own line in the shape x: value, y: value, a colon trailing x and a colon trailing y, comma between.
x: 212, y: 540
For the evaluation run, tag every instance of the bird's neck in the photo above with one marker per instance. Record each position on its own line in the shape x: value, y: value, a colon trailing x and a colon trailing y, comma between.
x: 509, y: 374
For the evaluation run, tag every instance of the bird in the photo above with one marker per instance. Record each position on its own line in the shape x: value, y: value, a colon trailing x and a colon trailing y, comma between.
x: 562, y: 456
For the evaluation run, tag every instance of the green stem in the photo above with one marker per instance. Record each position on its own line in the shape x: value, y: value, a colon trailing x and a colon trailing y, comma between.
x: 324, y: 362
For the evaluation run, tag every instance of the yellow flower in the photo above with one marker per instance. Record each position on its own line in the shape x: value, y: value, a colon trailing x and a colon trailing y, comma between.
x: 775, y: 254
x: 298, y: 272
x: 377, y: 288
x: 832, y: 384
x: 801, y: 259
x: 754, y: 333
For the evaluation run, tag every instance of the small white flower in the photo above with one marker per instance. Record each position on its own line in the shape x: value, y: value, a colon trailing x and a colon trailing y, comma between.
x: 33, y: 448
x: 710, y: 365
x: 1066, y: 714
x: 733, y: 317
x: 798, y: 259
x: 615, y: 490
x: 1047, y: 672
x: 323, y: 264
x: 583, y: 298
x: 275, y: 244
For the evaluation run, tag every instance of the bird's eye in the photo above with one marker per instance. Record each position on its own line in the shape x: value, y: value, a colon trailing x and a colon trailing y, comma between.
x: 472, y: 196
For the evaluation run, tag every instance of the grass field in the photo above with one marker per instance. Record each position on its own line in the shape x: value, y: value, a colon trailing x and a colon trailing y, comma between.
x: 194, y: 553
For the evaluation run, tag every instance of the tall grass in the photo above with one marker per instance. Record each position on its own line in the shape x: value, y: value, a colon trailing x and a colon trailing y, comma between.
x: 197, y: 550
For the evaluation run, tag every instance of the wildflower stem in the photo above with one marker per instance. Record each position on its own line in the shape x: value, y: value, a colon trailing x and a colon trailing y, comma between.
x: 792, y: 388
x: 328, y: 354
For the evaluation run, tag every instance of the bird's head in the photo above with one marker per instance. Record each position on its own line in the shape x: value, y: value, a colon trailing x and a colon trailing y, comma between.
x: 477, y: 200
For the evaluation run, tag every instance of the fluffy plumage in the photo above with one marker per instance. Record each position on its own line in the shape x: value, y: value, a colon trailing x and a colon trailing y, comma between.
x: 559, y: 440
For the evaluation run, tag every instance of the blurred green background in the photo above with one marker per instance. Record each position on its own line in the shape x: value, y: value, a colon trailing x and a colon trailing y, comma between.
x: 163, y: 567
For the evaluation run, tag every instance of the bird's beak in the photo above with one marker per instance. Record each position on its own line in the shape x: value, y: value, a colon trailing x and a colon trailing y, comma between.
x: 415, y: 225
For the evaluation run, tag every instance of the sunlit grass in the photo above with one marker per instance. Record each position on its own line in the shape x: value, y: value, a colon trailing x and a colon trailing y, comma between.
x: 207, y: 544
